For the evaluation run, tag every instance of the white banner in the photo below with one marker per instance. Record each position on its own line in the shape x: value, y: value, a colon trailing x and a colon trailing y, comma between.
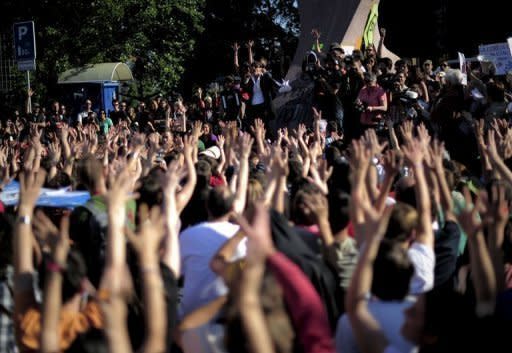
x: 499, y: 54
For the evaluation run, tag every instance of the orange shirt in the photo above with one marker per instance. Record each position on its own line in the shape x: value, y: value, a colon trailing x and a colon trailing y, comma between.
x: 71, y: 325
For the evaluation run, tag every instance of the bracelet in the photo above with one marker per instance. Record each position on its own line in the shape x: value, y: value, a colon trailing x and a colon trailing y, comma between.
x: 52, y: 266
x: 25, y: 220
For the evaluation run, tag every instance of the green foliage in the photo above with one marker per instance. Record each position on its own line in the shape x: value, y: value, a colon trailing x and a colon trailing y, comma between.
x: 166, y: 42
x: 156, y: 36
x: 273, y: 24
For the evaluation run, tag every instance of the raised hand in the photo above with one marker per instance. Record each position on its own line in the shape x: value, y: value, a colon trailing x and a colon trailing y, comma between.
x: 437, y: 154
x: 151, y: 231
x: 414, y: 153
x: 317, y: 115
x: 119, y: 193
x: 360, y: 157
x: 154, y: 141
x: 468, y: 218
x: 320, y: 176
x: 235, y: 47
x: 258, y: 128
x: 423, y: 135
x: 406, y: 129
x: 372, y: 142
x: 54, y: 152
x: 392, y: 162
x: 318, y: 206
x: 245, y: 142
x: 56, y: 239
x: 259, y: 235
x: 197, y: 129
x: 30, y: 188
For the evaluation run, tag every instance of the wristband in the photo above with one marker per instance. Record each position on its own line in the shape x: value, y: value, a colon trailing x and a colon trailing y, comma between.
x: 24, y: 220
x: 53, y: 267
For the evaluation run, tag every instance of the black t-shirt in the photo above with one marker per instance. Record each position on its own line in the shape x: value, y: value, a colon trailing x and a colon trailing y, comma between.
x: 446, y: 249
x: 118, y: 116
x: 230, y: 100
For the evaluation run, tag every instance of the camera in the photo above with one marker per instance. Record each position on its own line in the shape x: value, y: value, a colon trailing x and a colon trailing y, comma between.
x: 309, y: 64
x: 361, y: 107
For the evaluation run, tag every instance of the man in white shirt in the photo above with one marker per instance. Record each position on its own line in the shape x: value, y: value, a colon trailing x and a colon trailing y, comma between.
x: 83, y: 117
x: 198, y: 244
x: 260, y: 87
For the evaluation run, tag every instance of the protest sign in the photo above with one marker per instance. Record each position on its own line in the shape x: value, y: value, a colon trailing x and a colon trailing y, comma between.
x: 499, y: 54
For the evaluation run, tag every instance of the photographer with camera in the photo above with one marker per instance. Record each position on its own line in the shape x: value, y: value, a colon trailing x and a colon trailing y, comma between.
x: 371, y: 102
x: 328, y: 82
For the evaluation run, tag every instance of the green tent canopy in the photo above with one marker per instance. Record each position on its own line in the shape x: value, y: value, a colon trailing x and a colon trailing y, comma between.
x: 97, y: 73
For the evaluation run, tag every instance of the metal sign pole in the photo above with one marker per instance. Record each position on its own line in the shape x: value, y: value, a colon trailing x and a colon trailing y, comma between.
x: 28, y: 92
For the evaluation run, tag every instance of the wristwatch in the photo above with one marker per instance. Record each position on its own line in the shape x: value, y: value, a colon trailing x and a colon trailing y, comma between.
x: 24, y: 220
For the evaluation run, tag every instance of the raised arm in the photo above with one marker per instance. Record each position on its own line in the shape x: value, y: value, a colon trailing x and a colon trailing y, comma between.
x: 30, y: 187
x: 496, y: 219
x: 259, y: 132
x: 250, y: 46
x: 245, y: 145
x: 482, y: 270
x: 52, y: 296
x: 414, y: 154
x: 381, y: 42
x: 392, y: 163
x: 280, y: 172
x: 185, y: 194
x: 115, y: 285
x: 368, y: 333
x: 495, y: 159
x: 146, y: 244
x: 171, y: 249
x: 236, y: 64
x: 309, y: 316
x: 316, y: 36
x: 117, y: 197
x: 437, y: 154
x: 317, y: 204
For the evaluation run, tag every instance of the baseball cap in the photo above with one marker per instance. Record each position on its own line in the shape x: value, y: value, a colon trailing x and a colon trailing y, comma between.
x: 336, y: 46
x: 212, y: 152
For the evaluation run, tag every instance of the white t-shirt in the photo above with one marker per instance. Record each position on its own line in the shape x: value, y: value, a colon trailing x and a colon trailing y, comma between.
x: 389, y: 315
x: 257, y: 93
x: 198, y: 245
x: 424, y: 261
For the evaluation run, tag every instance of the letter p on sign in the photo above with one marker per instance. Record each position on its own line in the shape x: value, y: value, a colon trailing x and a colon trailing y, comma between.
x: 22, y: 31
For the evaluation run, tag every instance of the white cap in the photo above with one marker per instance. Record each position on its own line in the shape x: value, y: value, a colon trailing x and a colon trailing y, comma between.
x: 212, y: 152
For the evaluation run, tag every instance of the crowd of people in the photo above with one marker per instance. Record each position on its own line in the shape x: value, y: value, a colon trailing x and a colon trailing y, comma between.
x: 380, y: 224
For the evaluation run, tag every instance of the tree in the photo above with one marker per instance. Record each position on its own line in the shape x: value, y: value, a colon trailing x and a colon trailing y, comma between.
x: 273, y: 24
x: 160, y: 35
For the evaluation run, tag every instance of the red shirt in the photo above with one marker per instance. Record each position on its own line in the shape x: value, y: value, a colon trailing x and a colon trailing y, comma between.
x: 372, y: 97
x: 308, y: 315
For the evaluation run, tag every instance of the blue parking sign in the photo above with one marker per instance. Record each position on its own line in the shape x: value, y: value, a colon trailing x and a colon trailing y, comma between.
x: 25, y: 45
